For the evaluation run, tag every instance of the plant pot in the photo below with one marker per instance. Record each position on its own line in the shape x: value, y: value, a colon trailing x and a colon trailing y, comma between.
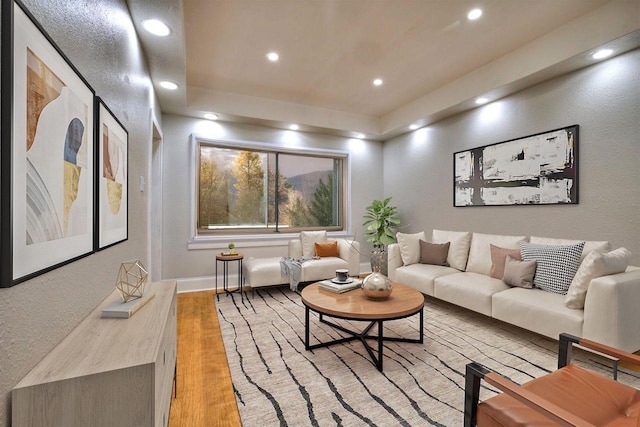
x: 379, y: 258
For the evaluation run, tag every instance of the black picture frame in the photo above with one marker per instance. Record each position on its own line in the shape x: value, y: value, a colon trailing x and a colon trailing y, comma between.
x: 112, y: 178
x: 47, y: 152
x: 539, y: 169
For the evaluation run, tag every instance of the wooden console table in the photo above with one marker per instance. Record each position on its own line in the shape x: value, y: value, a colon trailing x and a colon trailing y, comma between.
x: 106, y: 372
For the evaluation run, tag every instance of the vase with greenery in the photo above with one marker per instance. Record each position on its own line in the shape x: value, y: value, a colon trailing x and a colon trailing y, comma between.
x: 380, y: 222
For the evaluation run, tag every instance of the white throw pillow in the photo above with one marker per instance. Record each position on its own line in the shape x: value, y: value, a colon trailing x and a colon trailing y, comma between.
x: 410, y: 247
x: 595, y: 265
x: 480, y: 250
x: 459, y: 248
x: 593, y: 245
x: 309, y: 238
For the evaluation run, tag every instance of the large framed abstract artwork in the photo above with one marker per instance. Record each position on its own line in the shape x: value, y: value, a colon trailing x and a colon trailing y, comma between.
x: 112, y: 183
x: 540, y: 169
x: 47, y: 152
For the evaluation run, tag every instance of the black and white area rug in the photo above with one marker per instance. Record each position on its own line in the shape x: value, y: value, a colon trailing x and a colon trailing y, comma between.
x: 278, y: 383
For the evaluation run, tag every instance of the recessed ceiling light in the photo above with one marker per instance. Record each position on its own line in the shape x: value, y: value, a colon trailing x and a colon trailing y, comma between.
x: 168, y: 85
x: 377, y: 82
x: 414, y: 126
x: 156, y: 27
x: 360, y: 135
x: 482, y: 100
x: 273, y: 56
x: 211, y: 116
x: 474, y: 14
x: 294, y: 127
x: 602, y: 53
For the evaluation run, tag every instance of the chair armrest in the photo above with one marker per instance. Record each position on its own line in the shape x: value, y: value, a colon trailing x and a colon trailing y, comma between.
x: 566, y: 341
x: 394, y: 260
x: 350, y: 252
x: 295, y: 248
x: 611, y: 314
x: 476, y: 372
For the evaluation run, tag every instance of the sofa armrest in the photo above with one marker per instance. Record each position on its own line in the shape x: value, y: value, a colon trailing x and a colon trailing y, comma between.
x: 295, y: 248
x: 350, y: 252
x: 611, y: 314
x: 394, y: 260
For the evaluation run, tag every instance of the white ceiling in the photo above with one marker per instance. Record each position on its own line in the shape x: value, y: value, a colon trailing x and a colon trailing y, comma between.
x: 433, y: 60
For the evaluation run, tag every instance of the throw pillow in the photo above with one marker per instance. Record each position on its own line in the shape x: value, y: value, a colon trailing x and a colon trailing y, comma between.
x: 410, y: 247
x: 519, y: 273
x: 459, y: 249
x: 434, y: 253
x: 557, y: 265
x: 325, y: 249
x: 498, y: 257
x: 309, y: 238
x: 595, y: 265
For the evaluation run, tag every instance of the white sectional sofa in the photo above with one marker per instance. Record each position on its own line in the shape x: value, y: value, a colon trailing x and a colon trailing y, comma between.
x: 611, y: 313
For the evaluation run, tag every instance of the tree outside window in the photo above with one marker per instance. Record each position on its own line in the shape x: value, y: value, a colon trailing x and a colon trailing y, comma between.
x: 266, y: 191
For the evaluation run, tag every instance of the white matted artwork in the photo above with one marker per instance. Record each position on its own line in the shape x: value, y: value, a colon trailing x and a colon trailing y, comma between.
x: 50, y: 144
x: 113, y: 143
x: 540, y: 169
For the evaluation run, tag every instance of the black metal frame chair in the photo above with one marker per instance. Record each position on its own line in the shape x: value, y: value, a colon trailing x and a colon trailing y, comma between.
x: 476, y: 372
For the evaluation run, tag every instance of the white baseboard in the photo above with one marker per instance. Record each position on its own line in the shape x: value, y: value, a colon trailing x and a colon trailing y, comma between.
x: 208, y: 283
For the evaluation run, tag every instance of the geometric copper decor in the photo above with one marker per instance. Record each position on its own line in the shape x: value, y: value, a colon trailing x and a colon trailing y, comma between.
x: 131, y: 281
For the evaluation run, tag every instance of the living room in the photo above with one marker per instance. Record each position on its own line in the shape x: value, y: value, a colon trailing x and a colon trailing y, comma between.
x: 414, y: 167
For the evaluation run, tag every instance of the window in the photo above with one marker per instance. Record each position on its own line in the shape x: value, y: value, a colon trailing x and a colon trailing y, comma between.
x: 256, y: 190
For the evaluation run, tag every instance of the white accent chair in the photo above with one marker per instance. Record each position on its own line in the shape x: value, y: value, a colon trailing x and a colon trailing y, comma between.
x: 325, y: 267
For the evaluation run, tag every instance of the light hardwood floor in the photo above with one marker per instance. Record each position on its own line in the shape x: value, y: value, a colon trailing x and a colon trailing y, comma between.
x: 205, y: 394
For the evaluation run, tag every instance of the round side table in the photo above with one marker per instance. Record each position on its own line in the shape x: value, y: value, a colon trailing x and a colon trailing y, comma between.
x: 225, y: 260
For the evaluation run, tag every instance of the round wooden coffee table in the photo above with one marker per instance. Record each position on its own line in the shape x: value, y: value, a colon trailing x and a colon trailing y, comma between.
x: 354, y: 305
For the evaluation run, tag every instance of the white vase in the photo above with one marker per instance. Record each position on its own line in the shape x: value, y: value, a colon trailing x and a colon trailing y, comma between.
x: 377, y: 286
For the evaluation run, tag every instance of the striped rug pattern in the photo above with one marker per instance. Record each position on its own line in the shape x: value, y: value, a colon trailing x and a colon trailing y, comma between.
x: 278, y: 383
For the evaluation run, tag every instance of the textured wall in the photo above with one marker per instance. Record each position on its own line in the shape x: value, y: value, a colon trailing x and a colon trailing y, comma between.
x: 180, y: 262
x: 604, y: 99
x: 99, y: 38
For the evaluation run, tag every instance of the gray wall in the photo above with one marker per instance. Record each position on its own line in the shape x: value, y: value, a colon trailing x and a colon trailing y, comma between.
x: 604, y: 99
x: 178, y: 260
x: 99, y: 38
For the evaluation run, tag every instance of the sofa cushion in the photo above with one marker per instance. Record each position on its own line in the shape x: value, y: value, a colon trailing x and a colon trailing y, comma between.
x: 459, y: 248
x: 468, y: 290
x: 434, y: 253
x: 498, y: 259
x: 262, y: 272
x: 410, y: 246
x: 324, y: 249
x: 480, y: 251
x: 519, y: 273
x: 538, y: 311
x: 594, y: 245
x: 323, y: 268
x: 557, y: 265
x: 309, y: 238
x: 595, y: 264
x: 421, y: 276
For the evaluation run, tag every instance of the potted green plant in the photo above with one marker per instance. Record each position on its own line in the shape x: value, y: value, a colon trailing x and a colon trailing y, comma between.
x: 379, y: 224
x: 231, y: 246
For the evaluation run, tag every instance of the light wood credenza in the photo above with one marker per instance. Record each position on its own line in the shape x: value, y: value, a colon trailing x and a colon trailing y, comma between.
x: 106, y: 372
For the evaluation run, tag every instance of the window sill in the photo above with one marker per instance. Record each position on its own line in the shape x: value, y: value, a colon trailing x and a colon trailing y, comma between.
x: 252, y: 240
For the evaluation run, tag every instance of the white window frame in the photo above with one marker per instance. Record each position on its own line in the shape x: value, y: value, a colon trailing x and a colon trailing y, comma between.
x: 270, y: 239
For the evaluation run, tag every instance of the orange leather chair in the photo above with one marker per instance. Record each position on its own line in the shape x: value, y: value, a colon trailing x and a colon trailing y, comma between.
x: 570, y: 396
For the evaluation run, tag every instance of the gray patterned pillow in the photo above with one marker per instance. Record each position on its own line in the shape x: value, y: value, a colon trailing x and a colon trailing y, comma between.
x: 556, y: 265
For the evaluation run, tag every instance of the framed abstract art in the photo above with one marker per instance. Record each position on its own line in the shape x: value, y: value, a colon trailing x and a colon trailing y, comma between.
x: 47, y: 182
x: 540, y: 169
x: 113, y: 179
